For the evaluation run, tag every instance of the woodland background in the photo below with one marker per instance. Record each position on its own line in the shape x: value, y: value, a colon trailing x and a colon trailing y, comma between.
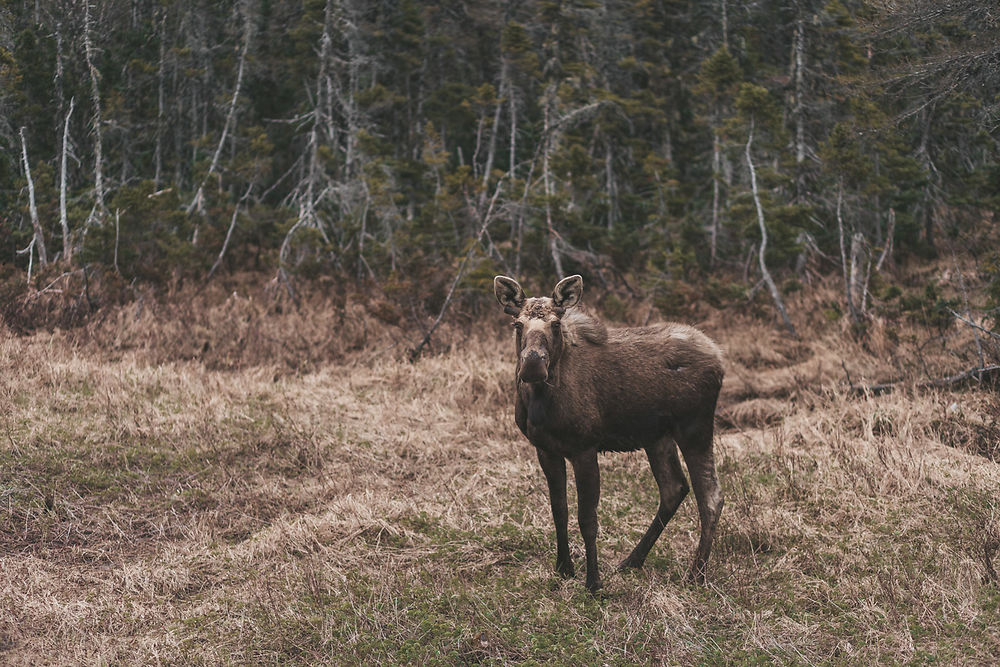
x: 255, y: 390
x: 415, y: 148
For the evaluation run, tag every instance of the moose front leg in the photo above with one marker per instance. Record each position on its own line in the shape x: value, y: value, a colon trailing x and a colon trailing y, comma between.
x: 588, y: 492
x: 554, y: 467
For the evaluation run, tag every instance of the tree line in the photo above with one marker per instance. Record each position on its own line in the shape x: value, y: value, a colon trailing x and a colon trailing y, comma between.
x: 420, y: 144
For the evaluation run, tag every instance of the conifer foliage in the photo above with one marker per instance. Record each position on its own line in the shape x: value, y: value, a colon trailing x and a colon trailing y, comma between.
x: 385, y: 141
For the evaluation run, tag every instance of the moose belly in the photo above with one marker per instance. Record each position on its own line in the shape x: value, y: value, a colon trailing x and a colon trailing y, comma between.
x: 625, y: 433
x: 631, y: 431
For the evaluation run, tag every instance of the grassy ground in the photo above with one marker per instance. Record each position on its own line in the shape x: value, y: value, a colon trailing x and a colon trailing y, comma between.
x: 372, y: 510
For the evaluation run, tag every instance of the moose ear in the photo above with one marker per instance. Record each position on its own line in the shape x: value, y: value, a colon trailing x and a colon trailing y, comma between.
x: 509, y: 294
x: 568, y: 292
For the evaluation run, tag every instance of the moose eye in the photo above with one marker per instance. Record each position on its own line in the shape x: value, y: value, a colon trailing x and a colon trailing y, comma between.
x: 556, y: 325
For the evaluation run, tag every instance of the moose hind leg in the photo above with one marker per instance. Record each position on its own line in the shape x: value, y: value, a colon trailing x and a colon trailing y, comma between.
x: 554, y: 468
x: 673, y: 488
x: 700, y: 458
x: 588, y: 492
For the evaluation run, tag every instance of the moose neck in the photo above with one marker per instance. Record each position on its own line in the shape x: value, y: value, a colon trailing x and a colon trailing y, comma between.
x: 538, y: 397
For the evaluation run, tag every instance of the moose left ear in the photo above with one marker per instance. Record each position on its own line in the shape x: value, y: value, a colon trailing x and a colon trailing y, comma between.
x: 568, y: 292
x: 509, y: 294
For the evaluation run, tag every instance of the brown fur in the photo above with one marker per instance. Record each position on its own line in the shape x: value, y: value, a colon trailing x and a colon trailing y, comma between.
x: 583, y: 388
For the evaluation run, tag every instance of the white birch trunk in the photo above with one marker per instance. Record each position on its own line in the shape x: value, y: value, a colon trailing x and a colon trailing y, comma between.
x: 229, y: 232
x: 856, y: 289
x: 724, y: 11
x: 491, y: 153
x: 43, y: 257
x: 160, y: 78
x: 887, y: 247
x: 848, y: 300
x: 768, y: 280
x: 609, y: 178
x: 63, y: 218
x: 200, y: 194
x: 100, y: 209
x: 799, y: 109
x: 516, y: 232
x: 547, y: 181
x: 716, y: 175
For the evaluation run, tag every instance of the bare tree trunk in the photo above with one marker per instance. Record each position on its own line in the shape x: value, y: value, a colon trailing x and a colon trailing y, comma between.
x: 306, y: 193
x: 521, y: 209
x: 848, y: 299
x: 117, y: 230
x: 968, y: 312
x: 547, y: 180
x: 198, y: 200
x: 716, y: 166
x: 58, y: 78
x: 877, y: 206
x: 195, y: 42
x: 609, y: 178
x: 552, y: 129
x: 487, y: 218
x: 229, y: 233
x: 491, y: 153
x: 100, y: 208
x: 724, y: 11
x: 856, y: 290
x: 160, y: 77
x: 890, y: 230
x: 43, y: 257
x: 925, y: 158
x: 63, y: 218
x: 516, y: 232
x: 768, y: 280
x: 798, y: 111
x: 513, y: 128
x: 362, y: 262
x: 479, y: 143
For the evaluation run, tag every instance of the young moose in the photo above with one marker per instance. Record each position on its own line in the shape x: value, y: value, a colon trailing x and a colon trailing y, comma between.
x: 584, y: 389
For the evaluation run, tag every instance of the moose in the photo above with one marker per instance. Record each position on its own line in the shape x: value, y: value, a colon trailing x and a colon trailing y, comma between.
x: 583, y: 388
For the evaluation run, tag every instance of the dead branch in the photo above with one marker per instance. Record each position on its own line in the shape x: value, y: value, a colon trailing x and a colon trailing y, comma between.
x: 39, y: 238
x: 415, y: 352
x: 991, y: 334
x: 779, y: 304
x: 198, y: 200
x: 986, y: 376
x: 229, y: 234
x: 36, y: 294
x: 63, y: 218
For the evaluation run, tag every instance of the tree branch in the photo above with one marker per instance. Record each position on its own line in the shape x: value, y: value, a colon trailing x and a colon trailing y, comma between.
x: 415, y: 352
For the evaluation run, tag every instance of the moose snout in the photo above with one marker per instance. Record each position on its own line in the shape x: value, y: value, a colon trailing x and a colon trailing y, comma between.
x: 534, y: 366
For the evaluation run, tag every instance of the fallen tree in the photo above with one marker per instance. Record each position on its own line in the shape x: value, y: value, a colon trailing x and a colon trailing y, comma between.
x: 986, y: 376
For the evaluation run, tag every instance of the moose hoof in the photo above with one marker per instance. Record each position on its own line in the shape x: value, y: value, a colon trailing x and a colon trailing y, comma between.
x: 594, y: 586
x: 630, y: 563
x: 565, y: 570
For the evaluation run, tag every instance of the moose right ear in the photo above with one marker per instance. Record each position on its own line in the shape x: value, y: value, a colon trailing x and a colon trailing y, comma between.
x: 568, y: 292
x: 509, y: 294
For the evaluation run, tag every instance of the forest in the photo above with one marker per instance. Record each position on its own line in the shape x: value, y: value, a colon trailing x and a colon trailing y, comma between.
x: 257, y: 395
x: 678, y: 150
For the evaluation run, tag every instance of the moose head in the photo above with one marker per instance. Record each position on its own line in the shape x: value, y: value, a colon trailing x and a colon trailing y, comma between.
x: 538, y: 323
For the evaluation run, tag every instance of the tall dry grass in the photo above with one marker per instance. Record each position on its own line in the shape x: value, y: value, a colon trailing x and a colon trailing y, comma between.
x: 167, y: 501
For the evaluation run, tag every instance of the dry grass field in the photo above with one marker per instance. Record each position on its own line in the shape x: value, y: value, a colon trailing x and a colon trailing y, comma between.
x: 168, y: 497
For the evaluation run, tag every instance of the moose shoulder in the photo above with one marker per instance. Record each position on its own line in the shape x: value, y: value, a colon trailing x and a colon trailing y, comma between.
x: 583, y: 388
